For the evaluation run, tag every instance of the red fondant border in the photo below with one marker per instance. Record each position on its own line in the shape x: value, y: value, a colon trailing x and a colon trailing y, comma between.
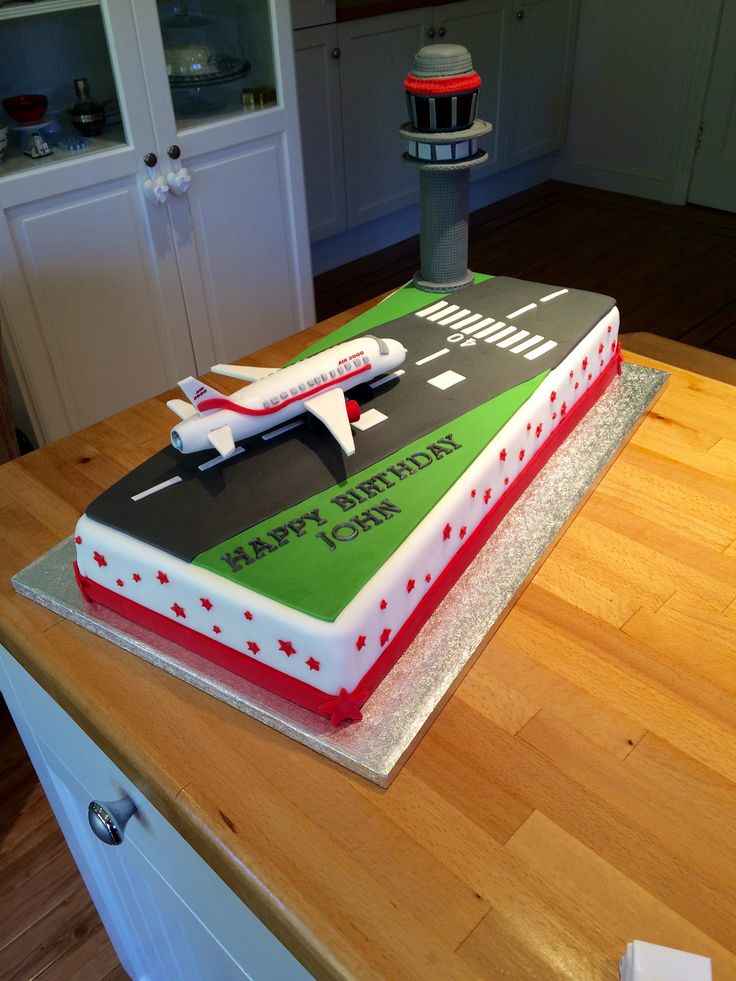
x: 346, y: 705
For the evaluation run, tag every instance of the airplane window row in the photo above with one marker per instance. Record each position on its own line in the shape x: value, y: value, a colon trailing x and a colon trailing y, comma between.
x: 318, y: 379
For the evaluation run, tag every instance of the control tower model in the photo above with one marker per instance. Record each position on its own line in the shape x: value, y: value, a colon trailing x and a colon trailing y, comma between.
x: 443, y: 133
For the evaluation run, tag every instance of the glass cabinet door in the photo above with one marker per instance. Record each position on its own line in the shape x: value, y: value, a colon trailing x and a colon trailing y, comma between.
x: 57, y: 85
x: 219, y: 58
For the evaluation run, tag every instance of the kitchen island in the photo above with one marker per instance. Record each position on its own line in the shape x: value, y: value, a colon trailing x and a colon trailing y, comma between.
x: 576, y: 792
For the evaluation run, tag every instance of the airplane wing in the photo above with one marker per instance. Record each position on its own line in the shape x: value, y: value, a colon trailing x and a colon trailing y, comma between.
x: 243, y: 372
x: 222, y: 440
x: 330, y: 409
x: 183, y: 409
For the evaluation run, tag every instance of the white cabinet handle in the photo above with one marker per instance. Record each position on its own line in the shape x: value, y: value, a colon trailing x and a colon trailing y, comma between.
x: 155, y: 187
x: 178, y: 178
x: 109, y: 818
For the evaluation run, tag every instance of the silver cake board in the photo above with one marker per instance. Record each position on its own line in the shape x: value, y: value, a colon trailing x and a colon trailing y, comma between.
x: 403, y: 706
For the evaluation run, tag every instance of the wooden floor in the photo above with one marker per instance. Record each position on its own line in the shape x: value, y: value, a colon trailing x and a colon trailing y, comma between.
x: 672, y: 269
x: 49, y: 928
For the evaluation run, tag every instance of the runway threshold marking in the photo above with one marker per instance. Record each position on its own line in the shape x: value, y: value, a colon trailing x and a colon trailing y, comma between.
x: 539, y: 351
x: 552, y: 296
x: 155, y: 489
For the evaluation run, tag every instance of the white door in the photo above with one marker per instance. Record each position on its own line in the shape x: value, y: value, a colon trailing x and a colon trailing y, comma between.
x: 240, y: 231
x: 91, y: 298
x: 713, y: 181
x: 317, y: 58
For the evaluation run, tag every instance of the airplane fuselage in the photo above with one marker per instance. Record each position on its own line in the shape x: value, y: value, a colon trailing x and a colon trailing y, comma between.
x: 281, y: 396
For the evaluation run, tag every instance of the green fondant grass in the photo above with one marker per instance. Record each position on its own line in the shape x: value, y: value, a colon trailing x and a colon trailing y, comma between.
x: 334, y: 577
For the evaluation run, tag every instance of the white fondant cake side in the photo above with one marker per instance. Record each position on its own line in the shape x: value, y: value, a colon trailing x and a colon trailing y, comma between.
x: 333, y: 655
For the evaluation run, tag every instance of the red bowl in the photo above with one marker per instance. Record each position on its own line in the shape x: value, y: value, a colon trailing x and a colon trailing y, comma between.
x: 26, y: 109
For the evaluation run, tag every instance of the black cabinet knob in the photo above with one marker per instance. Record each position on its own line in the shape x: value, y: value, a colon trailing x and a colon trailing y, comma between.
x: 520, y: 15
x: 336, y: 53
x: 174, y: 152
x: 442, y: 31
x: 431, y: 32
x: 150, y: 159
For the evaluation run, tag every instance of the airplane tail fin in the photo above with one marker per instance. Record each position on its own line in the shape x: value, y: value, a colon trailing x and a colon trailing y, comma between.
x: 201, y: 395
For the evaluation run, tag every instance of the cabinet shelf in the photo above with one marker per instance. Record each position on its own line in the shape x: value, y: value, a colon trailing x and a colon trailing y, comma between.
x: 16, y: 162
x: 43, y: 7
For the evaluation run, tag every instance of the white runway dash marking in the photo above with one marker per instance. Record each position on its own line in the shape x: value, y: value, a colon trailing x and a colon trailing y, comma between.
x: 282, y: 429
x: 539, y: 351
x: 552, y: 296
x: 219, y: 459
x: 431, y: 357
x: 518, y: 313
x: 155, y: 489
x: 514, y: 338
x: 499, y: 334
x: 446, y: 380
x: 530, y: 342
x: 433, y: 309
x: 369, y: 419
x: 386, y: 378
x: 453, y: 317
x: 475, y: 326
x: 443, y: 313
x: 499, y: 325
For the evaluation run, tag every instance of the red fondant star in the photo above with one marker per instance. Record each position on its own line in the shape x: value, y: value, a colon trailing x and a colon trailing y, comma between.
x: 613, y: 345
x: 253, y: 647
x: 205, y: 603
x: 385, y: 634
x: 248, y: 615
x: 506, y: 481
x: 600, y: 349
x: 345, y: 705
x: 179, y: 611
x: 119, y: 582
x: 463, y: 531
x: 554, y: 415
x: 136, y: 577
x: 99, y: 559
x: 428, y: 578
x: 539, y: 430
x: 577, y: 385
x: 522, y: 454
x: 563, y: 408
x: 602, y: 362
x: 589, y: 377
x: 410, y: 585
x: 487, y: 495
x: 162, y: 577
x: 446, y: 532
x: 502, y: 455
x: 552, y: 396
x: 216, y: 629
x: 287, y: 647
x: 528, y: 426
x: 384, y: 604
x: 312, y: 664
x: 610, y: 328
x: 360, y: 642
x: 585, y: 364
x: 78, y: 539
x: 572, y: 373
x: 473, y: 492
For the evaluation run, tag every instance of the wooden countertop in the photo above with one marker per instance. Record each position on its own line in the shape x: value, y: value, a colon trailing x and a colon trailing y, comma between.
x: 577, y: 792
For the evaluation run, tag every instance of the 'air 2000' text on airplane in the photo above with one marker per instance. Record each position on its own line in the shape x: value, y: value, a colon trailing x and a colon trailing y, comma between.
x: 316, y: 384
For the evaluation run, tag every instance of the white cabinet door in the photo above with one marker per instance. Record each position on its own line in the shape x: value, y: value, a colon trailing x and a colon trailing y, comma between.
x: 481, y: 27
x: 377, y: 54
x: 540, y: 76
x: 90, y: 292
x: 317, y: 57
x: 167, y: 913
x: 240, y: 232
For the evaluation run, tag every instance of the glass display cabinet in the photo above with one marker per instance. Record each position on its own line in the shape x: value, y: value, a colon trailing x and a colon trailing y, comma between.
x: 168, y: 235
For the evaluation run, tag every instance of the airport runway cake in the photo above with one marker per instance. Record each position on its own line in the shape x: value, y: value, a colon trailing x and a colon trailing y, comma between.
x: 300, y: 531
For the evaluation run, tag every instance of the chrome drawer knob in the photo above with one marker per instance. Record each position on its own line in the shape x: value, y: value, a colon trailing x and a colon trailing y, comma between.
x: 109, y: 818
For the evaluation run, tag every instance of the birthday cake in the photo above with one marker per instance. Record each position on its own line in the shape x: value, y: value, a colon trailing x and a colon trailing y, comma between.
x: 300, y: 531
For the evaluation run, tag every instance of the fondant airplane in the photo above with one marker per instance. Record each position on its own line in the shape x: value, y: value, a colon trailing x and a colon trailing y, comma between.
x: 316, y: 384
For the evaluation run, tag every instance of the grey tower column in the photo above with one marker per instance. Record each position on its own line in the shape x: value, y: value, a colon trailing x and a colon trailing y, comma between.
x: 442, y: 93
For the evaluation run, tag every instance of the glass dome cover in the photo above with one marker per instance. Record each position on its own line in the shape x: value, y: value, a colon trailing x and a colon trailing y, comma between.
x: 199, y: 47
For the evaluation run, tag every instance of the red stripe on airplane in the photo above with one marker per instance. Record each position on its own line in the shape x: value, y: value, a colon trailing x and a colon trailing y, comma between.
x: 223, y: 403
